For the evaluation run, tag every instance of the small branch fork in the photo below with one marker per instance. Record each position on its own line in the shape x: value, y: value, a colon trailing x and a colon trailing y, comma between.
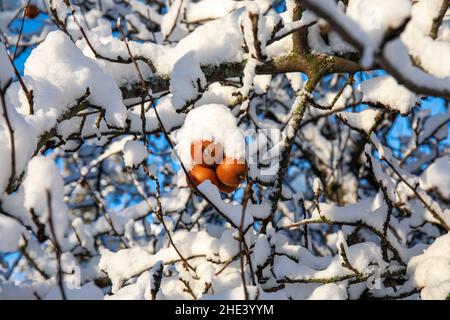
x: 415, y: 190
x: 159, y: 212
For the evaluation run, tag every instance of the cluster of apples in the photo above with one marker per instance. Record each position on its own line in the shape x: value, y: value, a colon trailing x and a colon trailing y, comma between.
x: 211, y: 164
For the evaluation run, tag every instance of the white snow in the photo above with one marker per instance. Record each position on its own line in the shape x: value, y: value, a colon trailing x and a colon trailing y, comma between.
x: 143, y: 9
x: 214, y: 9
x: 84, y: 233
x: 42, y: 177
x: 433, y: 56
x: 187, y: 80
x: 127, y: 263
x: 169, y: 20
x: 134, y: 152
x: 232, y: 211
x: 262, y: 250
x: 140, y: 290
x: 398, y: 57
x: 437, y: 176
x: 10, y: 231
x: 367, y: 210
x: 364, y: 120
x: 351, y: 27
x: 61, y: 74
x: 329, y: 291
x: 375, y: 17
x: 249, y: 75
x: 431, y: 270
x: 386, y: 91
x: 170, y: 118
x: 214, y: 42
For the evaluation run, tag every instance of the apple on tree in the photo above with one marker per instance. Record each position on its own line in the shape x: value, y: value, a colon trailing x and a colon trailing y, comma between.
x: 32, y: 11
x: 212, y: 147
x: 224, y: 172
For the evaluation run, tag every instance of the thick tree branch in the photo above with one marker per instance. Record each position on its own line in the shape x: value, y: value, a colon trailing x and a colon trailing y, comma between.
x: 356, y: 39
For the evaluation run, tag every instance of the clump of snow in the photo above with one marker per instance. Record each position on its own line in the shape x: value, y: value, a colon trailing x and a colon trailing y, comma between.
x: 42, y: 177
x: 329, y: 291
x: 317, y: 185
x: 433, y: 56
x: 364, y: 120
x: 84, y: 233
x: 296, y: 81
x: 213, y: 122
x: 398, y: 56
x: 262, y: 250
x: 249, y: 75
x: 437, y: 176
x: 143, y: 9
x: 377, y: 16
x: 57, y: 64
x: 387, y: 91
x: 367, y: 210
x: 124, y: 264
x: 259, y: 211
x: 170, y: 19
x: 215, y: 42
x: 232, y: 211
x: 351, y: 27
x: 134, y: 152
x: 431, y: 270
x: 140, y: 290
x: 226, y: 247
x: 187, y: 80
x: 127, y: 263
x: 214, y: 9
x: 169, y: 116
x: 360, y: 257
x: 10, y: 231
x: 261, y: 83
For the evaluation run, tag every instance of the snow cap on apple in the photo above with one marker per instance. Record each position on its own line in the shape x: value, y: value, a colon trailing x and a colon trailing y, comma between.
x: 209, y: 136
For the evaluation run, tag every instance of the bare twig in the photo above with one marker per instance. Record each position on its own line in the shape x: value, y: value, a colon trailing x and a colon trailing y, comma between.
x: 60, y: 273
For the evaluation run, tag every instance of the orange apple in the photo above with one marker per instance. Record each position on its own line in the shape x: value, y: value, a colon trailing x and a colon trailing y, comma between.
x: 32, y: 11
x: 199, y: 174
x: 231, y: 171
x: 206, y: 153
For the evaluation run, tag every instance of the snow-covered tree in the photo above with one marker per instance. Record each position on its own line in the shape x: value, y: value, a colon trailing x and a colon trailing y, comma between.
x: 337, y: 112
